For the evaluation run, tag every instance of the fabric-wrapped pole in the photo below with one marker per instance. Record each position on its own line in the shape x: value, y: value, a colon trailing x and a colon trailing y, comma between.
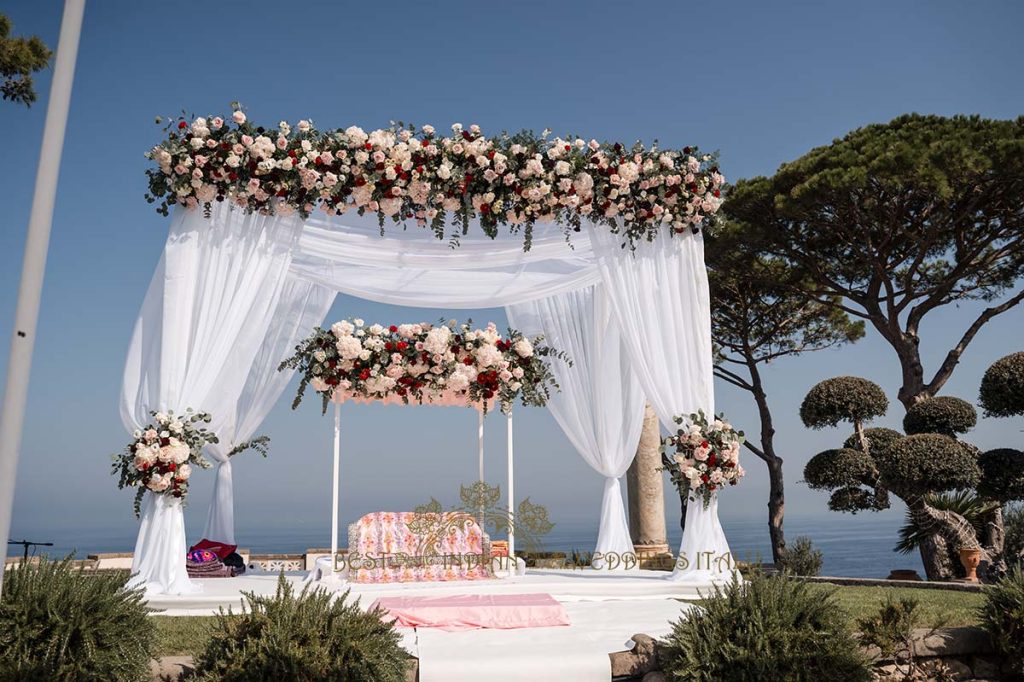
x: 600, y: 404
x: 204, y: 318
x: 659, y: 297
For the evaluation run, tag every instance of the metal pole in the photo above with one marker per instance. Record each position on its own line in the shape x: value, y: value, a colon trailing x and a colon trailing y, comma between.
x: 334, y: 503
x: 34, y: 264
x: 511, y: 499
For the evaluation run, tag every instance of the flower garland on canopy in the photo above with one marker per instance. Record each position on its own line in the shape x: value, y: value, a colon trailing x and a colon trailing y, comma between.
x: 424, y: 363
x: 407, y: 173
x: 160, y: 457
x: 703, y: 458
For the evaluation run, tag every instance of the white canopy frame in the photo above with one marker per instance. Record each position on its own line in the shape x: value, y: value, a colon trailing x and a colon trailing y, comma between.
x: 336, y: 477
x: 235, y: 292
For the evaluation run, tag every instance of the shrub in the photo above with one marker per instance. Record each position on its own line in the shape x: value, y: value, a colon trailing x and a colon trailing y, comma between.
x: 800, y: 558
x: 60, y: 623
x: 879, y: 438
x: 891, y: 628
x: 768, y: 628
x: 1002, y: 387
x: 840, y: 399
x: 945, y: 414
x: 1002, y: 474
x: 928, y: 463
x: 311, y: 636
x: 1002, y: 616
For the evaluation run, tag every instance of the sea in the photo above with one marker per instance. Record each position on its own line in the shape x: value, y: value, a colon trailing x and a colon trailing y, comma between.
x: 852, y: 546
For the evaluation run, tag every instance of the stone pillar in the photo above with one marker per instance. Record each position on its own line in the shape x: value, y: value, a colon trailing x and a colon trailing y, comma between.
x: 647, y: 497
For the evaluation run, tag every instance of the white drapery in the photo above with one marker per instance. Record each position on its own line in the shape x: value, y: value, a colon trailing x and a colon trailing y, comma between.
x: 659, y: 295
x: 302, y: 305
x: 600, y: 405
x: 207, y: 311
x: 216, y: 324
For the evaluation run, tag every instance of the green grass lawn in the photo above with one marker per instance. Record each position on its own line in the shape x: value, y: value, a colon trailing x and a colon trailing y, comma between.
x: 938, y: 608
x: 185, y: 634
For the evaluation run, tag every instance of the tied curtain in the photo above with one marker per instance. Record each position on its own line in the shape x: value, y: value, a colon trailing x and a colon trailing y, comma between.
x: 205, y: 316
x: 235, y: 292
x: 600, y: 405
x: 301, y: 307
x: 659, y: 296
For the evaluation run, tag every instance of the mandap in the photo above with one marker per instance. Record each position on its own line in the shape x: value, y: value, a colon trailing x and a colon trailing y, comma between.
x: 596, y: 247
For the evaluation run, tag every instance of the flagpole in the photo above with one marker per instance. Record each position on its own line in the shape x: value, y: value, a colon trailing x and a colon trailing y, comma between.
x: 37, y: 243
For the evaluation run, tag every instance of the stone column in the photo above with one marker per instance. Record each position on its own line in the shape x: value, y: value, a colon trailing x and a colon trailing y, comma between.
x: 647, y: 497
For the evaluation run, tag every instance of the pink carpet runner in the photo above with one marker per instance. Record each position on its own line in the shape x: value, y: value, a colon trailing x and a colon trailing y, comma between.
x: 475, y: 611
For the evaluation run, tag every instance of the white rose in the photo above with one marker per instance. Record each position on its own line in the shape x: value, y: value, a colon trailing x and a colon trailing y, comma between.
x: 318, y: 384
x: 238, y: 117
x: 523, y: 348
x: 349, y: 347
x: 183, y: 472
x: 343, y: 328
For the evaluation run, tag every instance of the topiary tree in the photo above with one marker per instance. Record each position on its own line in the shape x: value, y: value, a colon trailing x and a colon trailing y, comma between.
x: 1002, y: 475
x: 874, y: 462
x: 944, y: 414
x: 1002, y: 387
x: 843, y: 399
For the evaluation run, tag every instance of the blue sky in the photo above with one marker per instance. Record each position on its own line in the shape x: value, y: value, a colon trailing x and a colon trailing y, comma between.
x: 760, y: 82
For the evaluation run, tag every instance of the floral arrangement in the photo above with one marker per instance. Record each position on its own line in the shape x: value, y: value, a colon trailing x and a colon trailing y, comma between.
x: 702, y: 458
x: 423, y: 362
x: 407, y: 173
x: 161, y: 456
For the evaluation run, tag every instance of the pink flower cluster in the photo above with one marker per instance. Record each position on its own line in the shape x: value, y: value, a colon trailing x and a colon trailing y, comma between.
x: 161, y: 455
x: 703, y: 457
x: 423, y: 363
x: 407, y: 173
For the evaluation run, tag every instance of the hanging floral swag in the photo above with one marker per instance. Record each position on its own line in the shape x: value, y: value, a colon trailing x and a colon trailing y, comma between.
x: 407, y: 173
x: 161, y: 455
x: 702, y: 458
x: 423, y: 363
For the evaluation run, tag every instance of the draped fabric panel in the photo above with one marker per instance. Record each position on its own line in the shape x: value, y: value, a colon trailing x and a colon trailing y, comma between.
x: 205, y: 316
x: 301, y: 306
x: 411, y: 267
x: 600, y: 405
x: 659, y: 296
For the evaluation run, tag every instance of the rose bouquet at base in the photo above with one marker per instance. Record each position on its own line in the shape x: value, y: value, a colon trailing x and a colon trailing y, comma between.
x: 702, y: 457
x: 161, y: 456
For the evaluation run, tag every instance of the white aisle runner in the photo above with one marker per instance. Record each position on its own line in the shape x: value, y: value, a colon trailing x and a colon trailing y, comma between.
x: 577, y: 653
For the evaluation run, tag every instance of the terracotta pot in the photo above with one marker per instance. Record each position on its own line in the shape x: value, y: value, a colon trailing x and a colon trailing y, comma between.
x: 970, y: 558
x: 904, y: 574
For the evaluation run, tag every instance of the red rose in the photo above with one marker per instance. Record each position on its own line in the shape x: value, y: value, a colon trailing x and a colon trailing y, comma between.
x: 466, y: 136
x: 717, y: 193
x: 368, y: 146
x: 392, y: 329
x: 468, y: 361
x: 705, y: 478
x: 172, y: 466
x: 712, y: 460
x: 364, y: 375
x: 182, y: 125
x: 402, y: 345
x: 425, y: 143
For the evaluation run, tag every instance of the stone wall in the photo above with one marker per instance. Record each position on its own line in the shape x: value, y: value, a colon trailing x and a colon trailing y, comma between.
x: 964, y: 653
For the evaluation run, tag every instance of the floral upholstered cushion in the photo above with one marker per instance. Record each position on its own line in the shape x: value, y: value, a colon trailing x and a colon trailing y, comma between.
x: 416, y: 547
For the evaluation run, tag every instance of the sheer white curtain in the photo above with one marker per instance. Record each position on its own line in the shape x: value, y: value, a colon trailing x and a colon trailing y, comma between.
x: 301, y: 306
x: 659, y: 296
x: 205, y: 316
x: 411, y: 267
x: 600, y: 405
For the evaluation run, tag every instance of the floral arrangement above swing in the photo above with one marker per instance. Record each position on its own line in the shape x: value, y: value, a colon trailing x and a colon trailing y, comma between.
x: 448, y: 364
x: 404, y: 172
